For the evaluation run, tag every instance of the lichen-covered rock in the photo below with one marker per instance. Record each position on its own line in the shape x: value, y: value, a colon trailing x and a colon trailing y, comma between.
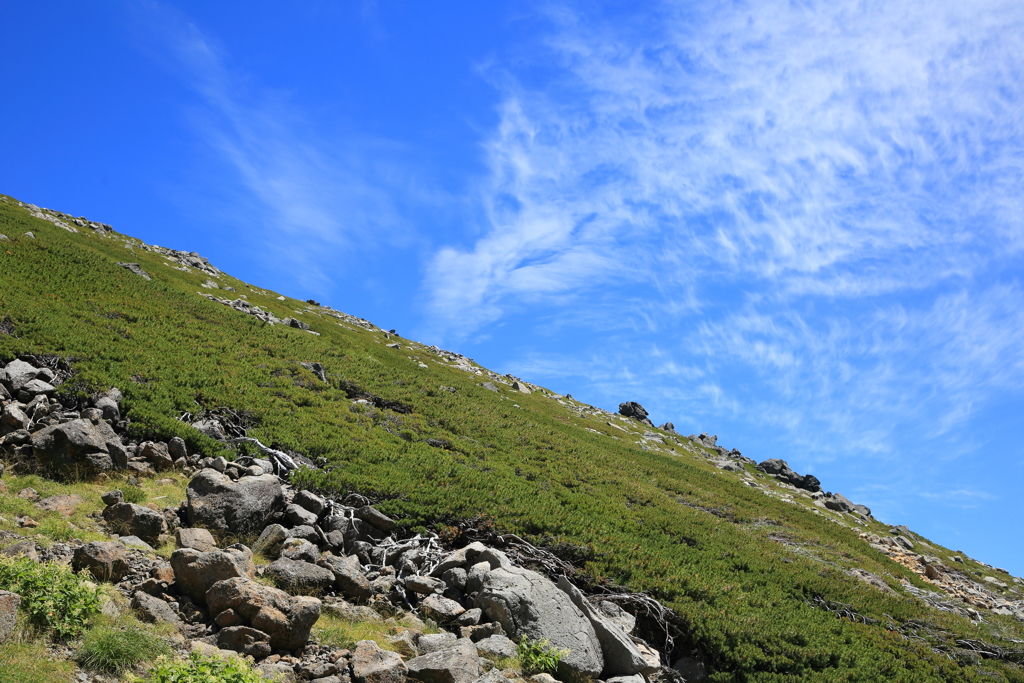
x: 200, y: 539
x: 528, y: 604
x: 300, y: 576
x: 245, y: 506
x: 105, y: 560
x: 284, y: 618
x: 77, y: 447
x: 370, y: 664
x: 9, y: 603
x: 195, y: 572
x: 129, y: 519
x: 458, y: 663
x: 153, y: 609
x: 349, y: 579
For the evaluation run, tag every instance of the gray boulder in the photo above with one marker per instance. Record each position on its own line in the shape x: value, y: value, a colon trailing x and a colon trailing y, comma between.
x: 299, y: 516
x: 9, y: 603
x: 310, y: 501
x: 370, y: 664
x: 157, y: 454
x: 432, y: 642
x: 195, y: 572
x: 153, y: 609
x: 781, y: 471
x: 200, y: 539
x: 17, y: 374
x: 301, y: 576
x: 616, y: 615
x: 621, y: 657
x: 496, y: 646
x: 376, y: 518
x: 244, y: 639
x: 77, y: 447
x: 300, y: 550
x: 269, y: 542
x: 284, y: 618
x: 14, y: 417
x: 105, y: 560
x: 245, y: 506
x: 458, y: 663
x: 135, y: 268
x: 211, y: 428
x: 109, y: 408
x: 636, y: 411
x: 349, y: 579
x: 129, y: 519
x: 527, y: 604
x: 36, y: 387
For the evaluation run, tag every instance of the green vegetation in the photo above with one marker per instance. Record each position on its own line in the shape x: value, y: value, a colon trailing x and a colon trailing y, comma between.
x: 120, y: 647
x: 200, y: 668
x: 538, y: 657
x: 28, y: 663
x: 57, y: 601
x: 748, y: 573
x: 343, y: 633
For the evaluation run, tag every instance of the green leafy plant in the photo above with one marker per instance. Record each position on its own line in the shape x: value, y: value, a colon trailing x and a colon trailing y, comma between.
x: 200, y: 668
x: 134, y: 494
x: 118, y: 648
x: 56, y: 599
x: 538, y: 656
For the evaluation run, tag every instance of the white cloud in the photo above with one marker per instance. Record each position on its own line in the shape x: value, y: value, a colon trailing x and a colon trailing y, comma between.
x: 819, y: 201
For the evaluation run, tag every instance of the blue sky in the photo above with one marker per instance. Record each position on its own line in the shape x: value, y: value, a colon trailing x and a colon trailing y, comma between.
x: 799, y: 226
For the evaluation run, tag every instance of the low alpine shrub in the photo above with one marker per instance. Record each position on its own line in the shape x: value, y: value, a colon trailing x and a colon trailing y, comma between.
x: 199, y: 668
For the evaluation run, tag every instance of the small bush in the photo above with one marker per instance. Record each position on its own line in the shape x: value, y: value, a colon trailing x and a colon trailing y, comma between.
x: 56, y: 599
x: 203, y: 669
x: 134, y: 494
x: 538, y: 657
x: 114, y: 649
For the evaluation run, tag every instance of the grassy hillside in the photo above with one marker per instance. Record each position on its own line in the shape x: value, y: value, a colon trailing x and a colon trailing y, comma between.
x: 753, y: 574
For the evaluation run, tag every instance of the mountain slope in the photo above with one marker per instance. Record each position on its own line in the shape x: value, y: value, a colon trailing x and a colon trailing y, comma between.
x: 762, y: 575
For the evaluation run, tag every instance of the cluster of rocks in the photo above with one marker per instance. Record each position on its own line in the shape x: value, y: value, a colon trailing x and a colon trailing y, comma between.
x: 781, y: 471
x: 957, y: 589
x: 248, y: 308
x: 66, y: 221
x: 322, y: 547
x: 38, y: 432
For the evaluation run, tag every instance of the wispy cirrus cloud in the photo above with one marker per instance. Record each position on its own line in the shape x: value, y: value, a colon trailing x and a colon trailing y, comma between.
x: 307, y: 196
x: 832, y: 188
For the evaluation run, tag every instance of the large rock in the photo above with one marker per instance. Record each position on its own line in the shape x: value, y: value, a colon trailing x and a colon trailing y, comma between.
x: 14, y: 418
x: 284, y: 618
x: 781, y: 471
x: 195, y: 572
x: 78, y: 447
x: 200, y: 539
x: 636, y: 411
x: 621, y: 657
x: 299, y: 575
x: 456, y: 664
x: 9, y: 603
x: 18, y: 373
x: 157, y: 454
x: 129, y: 519
x: 349, y: 579
x: 153, y: 609
x: 105, y: 560
x: 241, y: 507
x: 244, y: 639
x: 370, y: 664
x: 527, y: 604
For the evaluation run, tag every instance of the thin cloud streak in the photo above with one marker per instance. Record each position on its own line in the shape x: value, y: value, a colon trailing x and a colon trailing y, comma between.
x: 832, y: 188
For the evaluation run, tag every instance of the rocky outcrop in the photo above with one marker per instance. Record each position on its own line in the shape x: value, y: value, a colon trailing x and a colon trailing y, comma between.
x: 635, y: 411
x: 781, y: 471
x: 80, y: 446
x: 129, y: 519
